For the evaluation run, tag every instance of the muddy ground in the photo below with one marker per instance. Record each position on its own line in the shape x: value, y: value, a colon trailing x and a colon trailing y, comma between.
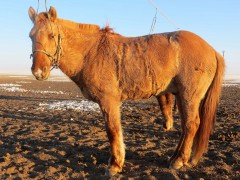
x: 40, y: 142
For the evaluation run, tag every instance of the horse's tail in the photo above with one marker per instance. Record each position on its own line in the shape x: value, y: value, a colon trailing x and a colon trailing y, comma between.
x: 207, y: 111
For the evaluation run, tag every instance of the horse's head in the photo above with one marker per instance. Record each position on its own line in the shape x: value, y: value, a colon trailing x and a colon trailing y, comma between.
x: 46, y: 42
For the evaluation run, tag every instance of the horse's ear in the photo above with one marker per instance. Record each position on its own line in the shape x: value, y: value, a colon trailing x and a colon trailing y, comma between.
x: 32, y: 14
x: 53, y: 13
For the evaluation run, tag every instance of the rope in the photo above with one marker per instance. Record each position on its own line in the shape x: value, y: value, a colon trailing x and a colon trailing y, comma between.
x: 46, y: 5
x: 153, y: 23
x: 38, y: 6
x: 163, y: 15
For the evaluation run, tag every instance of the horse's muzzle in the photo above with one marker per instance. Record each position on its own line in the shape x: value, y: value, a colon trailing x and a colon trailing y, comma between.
x: 41, y: 75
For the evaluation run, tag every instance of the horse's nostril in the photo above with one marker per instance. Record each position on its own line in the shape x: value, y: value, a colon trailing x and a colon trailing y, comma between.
x: 38, y: 73
x: 45, y: 69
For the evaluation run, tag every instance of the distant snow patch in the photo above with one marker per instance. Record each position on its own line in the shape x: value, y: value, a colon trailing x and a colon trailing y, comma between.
x: 9, y: 85
x: 18, y: 76
x: 16, y: 88
x: 59, y: 79
x: 12, y: 88
x: 46, y: 92
x: 82, y: 105
x: 24, y: 82
x: 230, y: 84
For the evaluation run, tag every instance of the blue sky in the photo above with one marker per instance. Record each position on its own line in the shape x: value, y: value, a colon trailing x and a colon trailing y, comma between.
x: 217, y: 21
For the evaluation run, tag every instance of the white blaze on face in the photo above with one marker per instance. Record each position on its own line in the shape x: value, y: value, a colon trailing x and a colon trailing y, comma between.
x: 38, y: 73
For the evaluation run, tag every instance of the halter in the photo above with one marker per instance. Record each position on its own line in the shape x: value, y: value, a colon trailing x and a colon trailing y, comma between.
x: 54, y: 59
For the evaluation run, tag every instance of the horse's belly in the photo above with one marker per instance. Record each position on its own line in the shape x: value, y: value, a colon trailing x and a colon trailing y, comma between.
x: 146, y: 89
x: 135, y: 95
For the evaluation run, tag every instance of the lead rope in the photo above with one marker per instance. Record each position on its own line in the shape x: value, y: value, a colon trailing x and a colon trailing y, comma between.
x: 163, y: 15
x: 38, y: 6
x: 46, y: 5
x: 153, y: 23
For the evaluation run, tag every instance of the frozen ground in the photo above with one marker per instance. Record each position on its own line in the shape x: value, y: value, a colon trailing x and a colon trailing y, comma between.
x: 49, y: 131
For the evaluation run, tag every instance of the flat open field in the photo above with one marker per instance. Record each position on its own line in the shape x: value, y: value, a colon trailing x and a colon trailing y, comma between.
x: 48, y: 131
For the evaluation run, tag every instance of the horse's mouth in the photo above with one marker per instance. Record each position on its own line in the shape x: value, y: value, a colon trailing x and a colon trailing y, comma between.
x: 41, y: 75
x: 42, y: 78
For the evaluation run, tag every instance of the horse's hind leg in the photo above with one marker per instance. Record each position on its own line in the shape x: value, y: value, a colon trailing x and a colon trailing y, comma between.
x: 178, y: 101
x: 166, y: 105
x: 111, y: 113
x: 190, y: 123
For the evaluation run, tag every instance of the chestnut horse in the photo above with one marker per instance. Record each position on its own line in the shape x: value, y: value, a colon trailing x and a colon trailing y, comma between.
x: 110, y: 68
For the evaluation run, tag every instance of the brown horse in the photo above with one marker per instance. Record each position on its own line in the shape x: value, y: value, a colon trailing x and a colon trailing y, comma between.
x: 110, y: 68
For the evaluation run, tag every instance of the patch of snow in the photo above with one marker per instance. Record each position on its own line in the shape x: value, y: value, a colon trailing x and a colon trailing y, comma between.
x: 13, y: 89
x: 24, y: 82
x: 230, y: 84
x: 10, y: 85
x: 59, y: 79
x: 47, y: 92
x: 18, y: 76
x: 82, y: 105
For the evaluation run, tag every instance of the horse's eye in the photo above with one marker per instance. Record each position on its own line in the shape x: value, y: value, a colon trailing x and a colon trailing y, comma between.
x: 51, y: 36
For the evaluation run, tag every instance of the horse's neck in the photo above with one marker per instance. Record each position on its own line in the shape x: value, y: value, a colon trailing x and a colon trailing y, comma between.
x: 76, y: 43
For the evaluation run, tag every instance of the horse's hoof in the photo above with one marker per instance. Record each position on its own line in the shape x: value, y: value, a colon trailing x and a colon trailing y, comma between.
x: 188, y: 165
x: 167, y: 129
x: 193, y: 162
x: 176, y: 164
x: 110, y: 172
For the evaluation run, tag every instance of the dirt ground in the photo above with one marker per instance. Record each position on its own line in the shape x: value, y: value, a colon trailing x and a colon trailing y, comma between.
x: 41, y: 142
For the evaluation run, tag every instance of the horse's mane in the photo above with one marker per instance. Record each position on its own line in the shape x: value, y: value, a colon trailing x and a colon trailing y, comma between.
x: 107, y: 29
x: 88, y: 28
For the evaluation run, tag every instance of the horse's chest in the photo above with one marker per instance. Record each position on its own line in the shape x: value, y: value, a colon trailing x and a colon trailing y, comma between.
x: 86, y: 90
x: 87, y: 94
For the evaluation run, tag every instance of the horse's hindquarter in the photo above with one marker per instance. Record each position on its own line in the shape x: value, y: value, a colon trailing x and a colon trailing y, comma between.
x: 147, y: 65
x: 197, y: 64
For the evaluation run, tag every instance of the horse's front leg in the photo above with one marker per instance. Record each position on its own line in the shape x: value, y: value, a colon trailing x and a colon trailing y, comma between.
x: 111, y: 114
